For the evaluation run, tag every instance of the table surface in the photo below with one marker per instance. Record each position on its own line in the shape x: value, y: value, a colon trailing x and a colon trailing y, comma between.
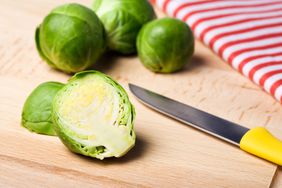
x: 167, y: 153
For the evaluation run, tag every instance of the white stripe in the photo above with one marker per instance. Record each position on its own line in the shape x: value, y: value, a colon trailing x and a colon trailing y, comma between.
x: 250, y: 65
x: 271, y: 80
x: 278, y: 93
x: 231, y: 1
x: 192, y: 19
x: 241, y: 36
x: 241, y: 26
x: 258, y: 43
x: 259, y: 73
x: 160, y: 3
x: 187, y: 1
x: 219, y: 4
x: 172, y: 6
x: 204, y: 25
x: 242, y: 57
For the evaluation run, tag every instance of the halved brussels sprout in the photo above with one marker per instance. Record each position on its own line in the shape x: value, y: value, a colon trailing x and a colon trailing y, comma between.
x: 93, y: 116
x: 122, y: 20
x: 71, y: 38
x: 36, y: 114
x: 165, y: 45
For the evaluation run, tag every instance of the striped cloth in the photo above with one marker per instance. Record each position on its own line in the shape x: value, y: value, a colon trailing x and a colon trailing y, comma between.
x: 245, y: 33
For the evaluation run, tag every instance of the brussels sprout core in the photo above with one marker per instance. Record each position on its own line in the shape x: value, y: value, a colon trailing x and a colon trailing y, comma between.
x: 94, y: 116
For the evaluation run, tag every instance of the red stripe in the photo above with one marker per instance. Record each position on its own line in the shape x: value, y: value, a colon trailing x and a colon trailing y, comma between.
x: 228, y: 15
x: 228, y: 7
x: 190, y: 4
x: 260, y: 66
x: 217, y: 37
x: 263, y: 79
x: 235, y: 54
x: 247, y: 60
x: 275, y: 86
x: 164, y: 7
x: 153, y: 1
x: 241, y: 41
x: 261, y: 37
x: 204, y: 32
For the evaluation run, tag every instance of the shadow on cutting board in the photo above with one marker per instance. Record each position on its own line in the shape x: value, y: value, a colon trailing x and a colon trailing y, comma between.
x: 277, y: 178
x: 108, y: 61
x: 196, y: 62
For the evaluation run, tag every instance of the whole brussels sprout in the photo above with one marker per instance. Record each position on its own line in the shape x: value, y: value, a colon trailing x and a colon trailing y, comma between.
x: 122, y: 20
x: 36, y: 114
x: 93, y: 116
x: 165, y: 45
x: 71, y: 38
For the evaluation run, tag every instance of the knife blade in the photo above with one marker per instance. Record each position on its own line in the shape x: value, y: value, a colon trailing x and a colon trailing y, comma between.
x: 257, y: 141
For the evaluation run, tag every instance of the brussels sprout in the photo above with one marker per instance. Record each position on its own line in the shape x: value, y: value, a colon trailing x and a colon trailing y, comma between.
x: 93, y: 116
x: 122, y: 20
x: 165, y: 45
x: 71, y: 38
x: 36, y: 114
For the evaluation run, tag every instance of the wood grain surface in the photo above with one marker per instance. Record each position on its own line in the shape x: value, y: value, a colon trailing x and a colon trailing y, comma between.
x: 167, y: 153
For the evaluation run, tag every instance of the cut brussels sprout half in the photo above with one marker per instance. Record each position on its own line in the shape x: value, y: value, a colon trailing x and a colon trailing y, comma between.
x: 71, y: 38
x: 122, y: 20
x: 94, y: 117
x: 36, y: 114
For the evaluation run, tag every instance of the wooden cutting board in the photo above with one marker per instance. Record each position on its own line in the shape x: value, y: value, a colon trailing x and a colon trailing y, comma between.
x: 167, y: 153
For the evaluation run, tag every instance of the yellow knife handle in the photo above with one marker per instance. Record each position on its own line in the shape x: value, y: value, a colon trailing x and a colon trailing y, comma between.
x: 258, y: 141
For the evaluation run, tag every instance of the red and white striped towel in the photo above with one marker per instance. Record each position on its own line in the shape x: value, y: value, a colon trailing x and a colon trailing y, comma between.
x: 245, y: 33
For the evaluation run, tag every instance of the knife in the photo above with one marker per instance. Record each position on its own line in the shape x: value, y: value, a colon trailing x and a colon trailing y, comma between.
x: 257, y: 141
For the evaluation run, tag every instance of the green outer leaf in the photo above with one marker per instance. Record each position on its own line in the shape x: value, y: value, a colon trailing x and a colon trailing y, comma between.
x: 71, y: 37
x: 69, y: 138
x: 120, y: 39
x: 122, y: 20
x: 165, y: 45
x: 36, y: 113
x: 37, y: 42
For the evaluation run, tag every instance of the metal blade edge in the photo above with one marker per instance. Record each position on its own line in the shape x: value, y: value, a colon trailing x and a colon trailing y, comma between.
x: 218, y: 127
